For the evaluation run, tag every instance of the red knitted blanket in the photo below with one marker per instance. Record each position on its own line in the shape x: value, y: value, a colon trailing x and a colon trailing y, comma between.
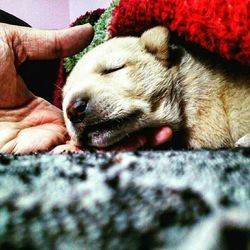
x: 221, y: 26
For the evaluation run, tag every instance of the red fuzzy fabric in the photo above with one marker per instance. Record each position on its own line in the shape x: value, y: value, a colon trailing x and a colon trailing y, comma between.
x: 221, y: 26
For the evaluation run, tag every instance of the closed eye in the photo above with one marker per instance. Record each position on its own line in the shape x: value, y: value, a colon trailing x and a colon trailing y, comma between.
x: 108, y: 71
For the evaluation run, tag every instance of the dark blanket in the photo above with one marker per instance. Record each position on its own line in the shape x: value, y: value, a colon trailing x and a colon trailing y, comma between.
x: 144, y: 200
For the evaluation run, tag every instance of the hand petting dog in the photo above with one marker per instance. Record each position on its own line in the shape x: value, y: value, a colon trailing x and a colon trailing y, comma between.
x: 29, y: 123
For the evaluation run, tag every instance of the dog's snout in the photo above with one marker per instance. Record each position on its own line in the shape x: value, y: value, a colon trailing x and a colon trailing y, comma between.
x: 76, y: 109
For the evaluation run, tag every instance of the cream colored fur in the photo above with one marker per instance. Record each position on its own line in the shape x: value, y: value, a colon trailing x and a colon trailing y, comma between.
x: 140, y: 83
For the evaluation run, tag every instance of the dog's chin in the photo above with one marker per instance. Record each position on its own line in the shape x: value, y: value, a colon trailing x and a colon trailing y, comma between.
x: 106, y: 136
x: 108, y: 133
x: 102, y: 139
x: 103, y: 133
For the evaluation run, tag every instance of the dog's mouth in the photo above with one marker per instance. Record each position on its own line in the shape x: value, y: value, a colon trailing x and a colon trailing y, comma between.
x: 109, y: 132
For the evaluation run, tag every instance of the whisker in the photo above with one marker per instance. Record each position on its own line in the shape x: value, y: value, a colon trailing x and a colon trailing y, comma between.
x: 58, y: 87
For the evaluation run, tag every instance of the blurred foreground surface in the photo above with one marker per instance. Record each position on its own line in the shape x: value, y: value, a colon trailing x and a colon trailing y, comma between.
x: 193, y: 200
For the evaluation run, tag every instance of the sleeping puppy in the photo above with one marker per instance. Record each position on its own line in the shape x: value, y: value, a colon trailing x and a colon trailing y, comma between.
x: 128, y: 84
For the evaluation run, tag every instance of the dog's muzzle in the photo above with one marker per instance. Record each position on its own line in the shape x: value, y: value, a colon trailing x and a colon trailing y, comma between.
x: 96, y: 128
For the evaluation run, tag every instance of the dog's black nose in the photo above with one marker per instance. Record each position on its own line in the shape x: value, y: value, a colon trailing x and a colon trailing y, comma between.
x: 76, y: 109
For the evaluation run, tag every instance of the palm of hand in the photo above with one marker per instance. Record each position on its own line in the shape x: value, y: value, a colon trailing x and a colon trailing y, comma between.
x: 36, y: 126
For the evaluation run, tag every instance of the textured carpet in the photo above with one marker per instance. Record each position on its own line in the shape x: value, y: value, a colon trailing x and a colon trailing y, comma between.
x: 145, y: 200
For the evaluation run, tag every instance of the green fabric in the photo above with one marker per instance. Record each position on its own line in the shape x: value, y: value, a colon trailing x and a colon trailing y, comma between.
x: 101, y: 35
x: 197, y: 200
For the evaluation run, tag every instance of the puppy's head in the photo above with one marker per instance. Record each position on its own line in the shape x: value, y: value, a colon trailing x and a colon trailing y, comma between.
x: 119, y: 87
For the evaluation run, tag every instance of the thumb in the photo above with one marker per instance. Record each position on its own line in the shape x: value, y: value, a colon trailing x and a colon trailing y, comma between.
x: 35, y: 44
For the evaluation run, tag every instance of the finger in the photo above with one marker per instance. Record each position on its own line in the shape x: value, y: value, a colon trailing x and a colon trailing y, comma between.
x: 49, y: 44
x: 161, y: 136
x: 66, y: 148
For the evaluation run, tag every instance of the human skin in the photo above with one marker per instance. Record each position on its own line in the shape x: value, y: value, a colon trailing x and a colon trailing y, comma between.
x: 29, y: 123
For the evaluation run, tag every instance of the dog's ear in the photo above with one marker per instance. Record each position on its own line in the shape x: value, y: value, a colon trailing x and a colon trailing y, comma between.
x: 156, y: 42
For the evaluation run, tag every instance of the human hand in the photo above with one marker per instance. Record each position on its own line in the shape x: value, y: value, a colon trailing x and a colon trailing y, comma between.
x: 29, y: 123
